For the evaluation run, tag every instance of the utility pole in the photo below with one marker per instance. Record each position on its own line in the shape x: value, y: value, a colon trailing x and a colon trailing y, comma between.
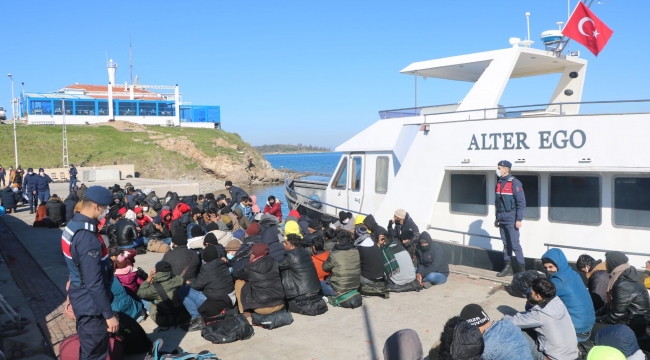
x: 12, y: 111
x: 130, y: 59
x: 65, y: 138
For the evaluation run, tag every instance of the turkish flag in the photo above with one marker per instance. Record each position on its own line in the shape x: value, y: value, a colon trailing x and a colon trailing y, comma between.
x: 585, y: 28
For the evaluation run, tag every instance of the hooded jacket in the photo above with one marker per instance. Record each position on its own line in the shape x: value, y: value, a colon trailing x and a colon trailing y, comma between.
x: 270, y: 235
x: 403, y: 345
x: 8, y: 198
x: 55, y: 210
x: 571, y: 289
x: 556, y: 337
x: 409, y: 224
x: 622, y: 338
x: 214, y: 280
x: 298, y: 274
x: 173, y: 201
x: 630, y: 303
x: 344, y: 264
x: 598, y: 279
x: 70, y: 202
x: 170, y: 285
x: 163, y: 214
x: 432, y: 259
x: 372, y: 260
x: 179, y: 210
x: 263, y: 286
x: 126, y: 232
x: 275, y: 210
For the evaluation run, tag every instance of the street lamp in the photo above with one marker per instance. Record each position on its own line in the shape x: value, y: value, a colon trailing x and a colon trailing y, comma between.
x: 13, y: 114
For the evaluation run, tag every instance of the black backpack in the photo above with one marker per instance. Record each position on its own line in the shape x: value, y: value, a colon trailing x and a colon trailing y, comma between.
x: 312, y: 306
x: 134, y: 338
x: 272, y: 321
x: 166, y: 310
x: 521, y: 282
x: 229, y: 329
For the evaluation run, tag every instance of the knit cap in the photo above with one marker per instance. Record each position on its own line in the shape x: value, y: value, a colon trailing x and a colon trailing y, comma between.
x: 474, y: 315
x: 210, y: 253
x: 233, y: 245
x: 163, y: 266
x: 179, y: 238
x: 400, y: 213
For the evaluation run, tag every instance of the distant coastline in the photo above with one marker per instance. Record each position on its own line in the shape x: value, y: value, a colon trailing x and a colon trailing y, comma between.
x: 295, y: 152
x: 291, y: 149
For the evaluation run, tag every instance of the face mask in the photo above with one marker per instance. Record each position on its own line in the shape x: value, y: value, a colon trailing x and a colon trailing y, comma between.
x: 498, y: 173
x: 145, y: 208
x: 424, y: 247
x: 30, y: 172
x: 230, y: 256
x: 167, y: 199
x: 103, y: 215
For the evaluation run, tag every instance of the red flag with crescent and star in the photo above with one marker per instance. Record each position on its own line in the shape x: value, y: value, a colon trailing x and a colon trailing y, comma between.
x: 585, y: 28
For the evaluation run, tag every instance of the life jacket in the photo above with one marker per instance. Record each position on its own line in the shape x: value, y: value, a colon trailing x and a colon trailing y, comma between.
x: 505, y: 200
x: 76, y: 277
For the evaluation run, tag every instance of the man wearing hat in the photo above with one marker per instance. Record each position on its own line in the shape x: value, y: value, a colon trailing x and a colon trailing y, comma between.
x: 91, y: 274
x: 236, y: 193
x: 73, y: 178
x: 510, y: 204
x: 29, y: 187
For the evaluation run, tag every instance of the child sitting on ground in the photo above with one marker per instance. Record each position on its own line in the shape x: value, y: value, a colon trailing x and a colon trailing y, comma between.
x: 125, y: 273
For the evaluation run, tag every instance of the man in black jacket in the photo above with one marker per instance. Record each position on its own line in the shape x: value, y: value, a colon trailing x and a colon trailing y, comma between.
x: 185, y: 262
x: 70, y: 203
x: 402, y: 221
x: 127, y: 234
x: 55, y: 210
x: 156, y: 230
x: 299, y: 278
x: 597, y: 278
x: 236, y: 193
x: 433, y: 268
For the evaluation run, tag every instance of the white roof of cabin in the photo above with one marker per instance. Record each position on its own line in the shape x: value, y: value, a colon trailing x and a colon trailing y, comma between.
x: 380, y: 136
x: 470, y: 67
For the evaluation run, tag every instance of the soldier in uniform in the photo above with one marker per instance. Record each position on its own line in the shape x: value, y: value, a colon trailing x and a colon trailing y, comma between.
x: 510, y: 204
x: 91, y: 275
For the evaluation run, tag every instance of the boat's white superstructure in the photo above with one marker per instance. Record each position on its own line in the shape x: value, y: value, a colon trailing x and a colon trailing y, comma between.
x: 586, y: 176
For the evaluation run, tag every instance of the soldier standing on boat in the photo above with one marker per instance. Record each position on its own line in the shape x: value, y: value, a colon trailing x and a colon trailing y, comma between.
x: 510, y: 204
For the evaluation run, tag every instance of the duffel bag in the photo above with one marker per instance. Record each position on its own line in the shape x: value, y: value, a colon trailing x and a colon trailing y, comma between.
x: 157, y: 246
x: 230, y: 329
x: 377, y: 288
x: 312, y: 306
x: 521, y: 281
x: 69, y: 348
x: 349, y: 300
x: 272, y: 321
x: 134, y: 338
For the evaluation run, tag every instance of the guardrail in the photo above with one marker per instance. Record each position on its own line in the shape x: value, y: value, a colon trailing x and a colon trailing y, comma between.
x: 592, y: 249
x: 415, y: 111
x: 429, y: 227
x: 336, y: 207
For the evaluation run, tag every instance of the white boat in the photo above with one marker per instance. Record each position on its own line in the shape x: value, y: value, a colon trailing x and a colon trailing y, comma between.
x: 586, y: 176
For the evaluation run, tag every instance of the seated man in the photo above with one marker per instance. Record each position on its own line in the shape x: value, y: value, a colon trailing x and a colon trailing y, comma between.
x: 622, y: 338
x: 318, y: 256
x: 460, y: 340
x: 598, y: 278
x: 433, y: 268
x: 403, y: 345
x: 571, y: 289
x: 156, y: 230
x: 344, y: 264
x: 402, y: 221
x: 184, y: 262
x: 554, y: 336
x: 496, y: 334
x: 262, y: 291
x: 299, y: 277
x: 164, y: 312
x: 372, y: 261
x: 127, y: 233
x: 629, y: 299
x: 55, y: 210
x: 400, y: 274
x: 213, y: 290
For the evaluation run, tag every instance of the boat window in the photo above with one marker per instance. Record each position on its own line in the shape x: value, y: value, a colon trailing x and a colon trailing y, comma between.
x: 381, y: 175
x: 632, y: 202
x: 356, y: 170
x: 469, y: 193
x: 575, y: 199
x: 530, y: 183
x: 340, y: 180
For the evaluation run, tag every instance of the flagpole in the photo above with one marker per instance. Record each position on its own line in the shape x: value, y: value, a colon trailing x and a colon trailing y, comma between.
x: 566, y: 42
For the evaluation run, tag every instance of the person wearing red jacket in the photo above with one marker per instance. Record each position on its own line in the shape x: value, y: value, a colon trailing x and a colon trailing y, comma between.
x: 273, y: 207
x: 179, y: 210
x: 166, y: 216
x: 140, y: 217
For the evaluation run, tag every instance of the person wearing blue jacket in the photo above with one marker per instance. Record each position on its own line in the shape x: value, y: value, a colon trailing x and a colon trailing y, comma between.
x: 30, y: 188
x: 620, y: 337
x: 572, y: 291
x: 43, y: 186
x: 510, y: 204
x: 124, y: 303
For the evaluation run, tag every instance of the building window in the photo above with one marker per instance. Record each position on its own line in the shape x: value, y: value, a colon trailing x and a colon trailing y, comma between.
x: 102, y: 107
x: 356, y: 170
x: 147, y: 109
x: 167, y: 109
x: 530, y: 183
x: 126, y: 108
x: 37, y: 107
x: 84, y: 107
x: 632, y: 201
x: 469, y: 194
x: 575, y: 199
x: 214, y: 115
x: 58, y: 107
x: 381, y: 175
x: 341, y: 178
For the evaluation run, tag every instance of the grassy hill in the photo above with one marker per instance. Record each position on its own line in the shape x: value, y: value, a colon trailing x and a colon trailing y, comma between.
x: 122, y: 143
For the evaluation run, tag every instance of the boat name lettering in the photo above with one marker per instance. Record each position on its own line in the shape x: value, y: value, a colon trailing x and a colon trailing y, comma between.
x: 560, y: 139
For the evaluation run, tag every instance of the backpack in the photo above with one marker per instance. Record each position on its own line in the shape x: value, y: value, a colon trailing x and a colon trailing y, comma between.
x: 69, y: 348
x: 230, y: 329
x: 312, y: 306
x: 377, y: 288
x: 521, y: 282
x: 134, y: 338
x: 179, y: 354
x: 272, y: 321
x: 166, y: 310
x: 349, y: 300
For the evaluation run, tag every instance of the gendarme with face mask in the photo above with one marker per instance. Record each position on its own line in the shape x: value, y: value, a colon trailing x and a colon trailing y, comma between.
x: 510, y: 203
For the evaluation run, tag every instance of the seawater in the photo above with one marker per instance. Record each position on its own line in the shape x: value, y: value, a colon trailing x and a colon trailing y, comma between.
x: 319, y: 163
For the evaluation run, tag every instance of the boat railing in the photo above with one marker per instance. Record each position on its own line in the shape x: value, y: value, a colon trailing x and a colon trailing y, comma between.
x: 515, y: 111
x: 548, y: 246
x: 465, y: 233
x: 309, y: 199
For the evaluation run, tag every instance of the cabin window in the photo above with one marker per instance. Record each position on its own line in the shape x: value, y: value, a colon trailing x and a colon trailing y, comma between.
x: 575, y: 199
x: 340, y: 180
x: 357, y: 166
x: 632, y: 201
x: 469, y: 193
x: 530, y: 183
x: 381, y: 175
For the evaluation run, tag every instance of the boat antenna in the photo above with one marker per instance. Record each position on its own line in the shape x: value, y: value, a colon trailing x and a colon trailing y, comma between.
x: 528, y: 24
x: 130, y: 58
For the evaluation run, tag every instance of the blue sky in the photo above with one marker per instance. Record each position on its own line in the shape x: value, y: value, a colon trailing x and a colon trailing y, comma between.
x: 303, y: 71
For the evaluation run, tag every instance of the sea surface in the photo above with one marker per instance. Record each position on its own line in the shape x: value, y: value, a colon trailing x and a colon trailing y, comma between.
x: 321, y: 164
